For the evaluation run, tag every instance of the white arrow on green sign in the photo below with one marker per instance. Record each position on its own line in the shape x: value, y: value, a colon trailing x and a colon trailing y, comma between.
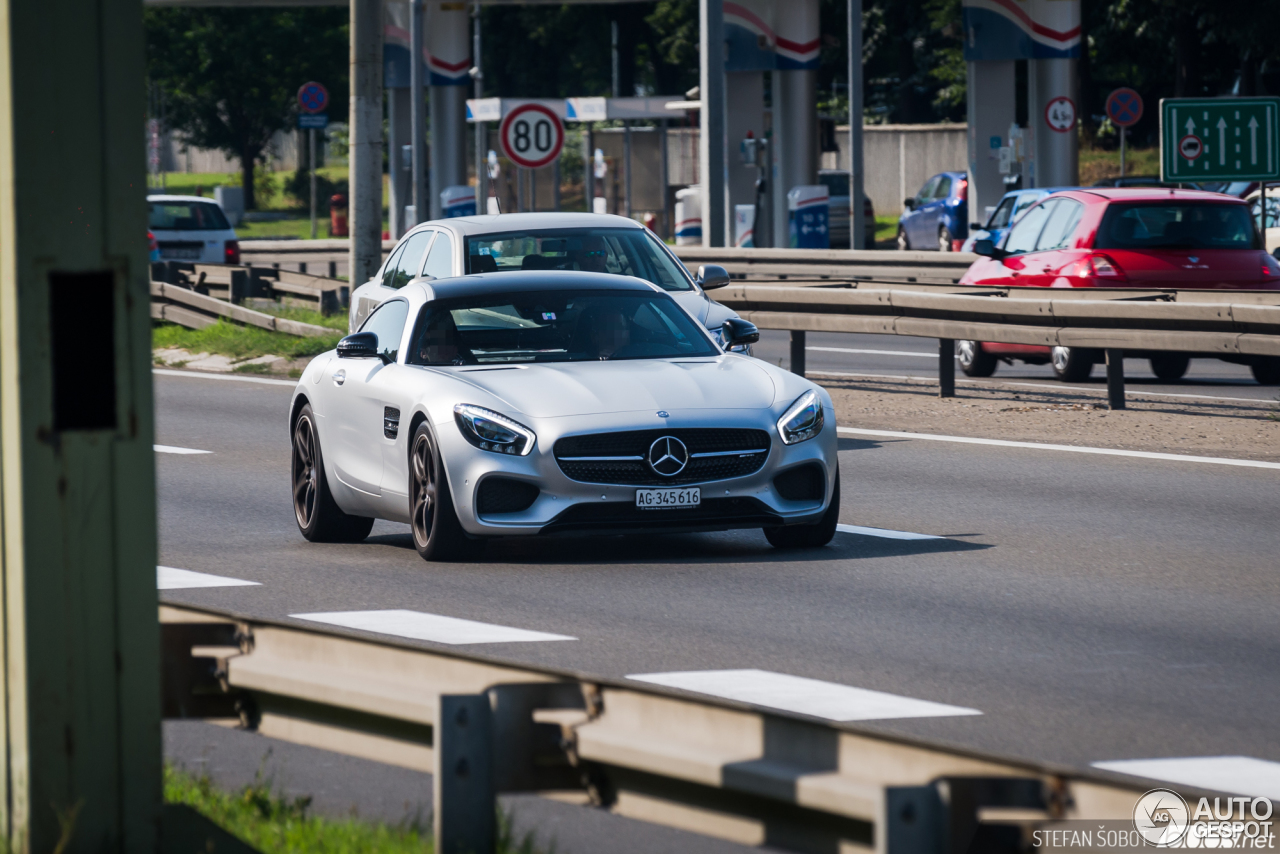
x: 1231, y: 139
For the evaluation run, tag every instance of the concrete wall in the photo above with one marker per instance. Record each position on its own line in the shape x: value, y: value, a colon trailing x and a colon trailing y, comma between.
x: 281, y: 153
x: 898, y: 159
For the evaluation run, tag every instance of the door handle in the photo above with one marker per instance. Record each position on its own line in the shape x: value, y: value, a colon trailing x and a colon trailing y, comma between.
x: 340, y: 376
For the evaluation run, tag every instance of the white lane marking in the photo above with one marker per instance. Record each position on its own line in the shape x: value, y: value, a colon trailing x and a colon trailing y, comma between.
x: 805, y: 696
x: 172, y: 578
x: 1243, y: 775
x: 207, y: 376
x: 429, y: 627
x: 173, y: 449
x: 874, y: 352
x: 885, y: 533
x: 1010, y: 383
x: 1044, y: 446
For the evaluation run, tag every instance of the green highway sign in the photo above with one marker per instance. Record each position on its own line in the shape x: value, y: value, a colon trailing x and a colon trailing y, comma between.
x: 1219, y: 139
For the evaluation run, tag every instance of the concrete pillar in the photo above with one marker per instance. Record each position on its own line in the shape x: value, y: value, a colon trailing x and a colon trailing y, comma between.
x: 81, y: 642
x: 449, y: 34
x: 991, y: 110
x: 1056, y: 152
x: 716, y: 223
x: 365, y: 255
x: 795, y: 104
x: 399, y: 131
x: 857, y: 188
x: 744, y: 95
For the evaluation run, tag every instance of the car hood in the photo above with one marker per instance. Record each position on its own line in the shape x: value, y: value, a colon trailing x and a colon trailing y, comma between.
x: 693, y: 302
x: 584, y: 388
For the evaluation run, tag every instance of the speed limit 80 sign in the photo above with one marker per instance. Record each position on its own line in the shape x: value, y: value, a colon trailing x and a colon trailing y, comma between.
x: 531, y: 136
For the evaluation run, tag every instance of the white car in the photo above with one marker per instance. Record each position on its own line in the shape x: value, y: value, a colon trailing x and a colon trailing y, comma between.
x: 541, y: 403
x: 505, y: 243
x: 192, y: 228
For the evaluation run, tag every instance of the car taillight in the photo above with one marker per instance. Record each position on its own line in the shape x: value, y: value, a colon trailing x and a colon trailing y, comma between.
x: 962, y: 191
x: 957, y: 245
x: 232, y: 252
x: 1104, y: 267
x: 1270, y: 267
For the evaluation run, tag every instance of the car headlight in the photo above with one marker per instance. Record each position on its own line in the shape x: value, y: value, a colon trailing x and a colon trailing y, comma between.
x: 802, y: 420
x: 492, y: 431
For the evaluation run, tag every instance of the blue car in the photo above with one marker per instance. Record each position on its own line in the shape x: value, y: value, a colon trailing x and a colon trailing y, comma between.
x: 1011, y: 207
x: 938, y: 216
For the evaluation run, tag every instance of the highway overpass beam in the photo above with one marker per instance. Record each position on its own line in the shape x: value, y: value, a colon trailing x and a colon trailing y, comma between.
x: 81, y: 641
x: 365, y: 255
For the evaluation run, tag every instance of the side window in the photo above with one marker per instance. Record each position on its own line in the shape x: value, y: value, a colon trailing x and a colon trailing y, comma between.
x: 389, y: 271
x: 388, y: 324
x: 406, y: 268
x: 440, y: 261
x: 1025, y: 201
x: 1060, y: 225
x: 1002, y: 214
x: 943, y: 190
x: 1024, y: 234
x: 926, y: 192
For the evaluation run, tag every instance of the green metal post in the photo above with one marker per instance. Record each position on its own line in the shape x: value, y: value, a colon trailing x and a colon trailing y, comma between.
x: 77, y: 478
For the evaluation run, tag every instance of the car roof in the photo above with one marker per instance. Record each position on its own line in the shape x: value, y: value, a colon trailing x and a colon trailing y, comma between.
x: 166, y: 198
x: 496, y: 223
x: 1156, y: 194
x: 533, y: 280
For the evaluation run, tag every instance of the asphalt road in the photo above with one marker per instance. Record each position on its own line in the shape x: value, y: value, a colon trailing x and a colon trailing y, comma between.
x: 1092, y: 608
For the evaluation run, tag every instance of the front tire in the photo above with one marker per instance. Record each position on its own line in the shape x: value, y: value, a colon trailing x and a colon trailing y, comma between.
x: 809, y: 536
x: 1266, y: 370
x: 437, y: 533
x: 319, y: 517
x: 1071, y: 364
x: 974, y: 361
x: 1170, y: 366
x: 944, y: 239
x: 903, y: 243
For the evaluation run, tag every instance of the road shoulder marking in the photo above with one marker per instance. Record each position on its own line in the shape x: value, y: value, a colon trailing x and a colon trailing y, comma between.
x: 172, y: 578
x: 1243, y: 775
x: 885, y: 533
x: 173, y: 449
x: 161, y: 372
x: 1044, y: 446
x: 804, y: 696
x: 418, y: 625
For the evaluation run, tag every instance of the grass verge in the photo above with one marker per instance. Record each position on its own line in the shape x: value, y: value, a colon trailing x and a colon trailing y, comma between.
x: 240, y: 342
x: 275, y: 824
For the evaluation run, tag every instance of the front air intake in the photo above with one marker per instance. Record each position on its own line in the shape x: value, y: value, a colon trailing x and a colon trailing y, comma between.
x: 499, y: 495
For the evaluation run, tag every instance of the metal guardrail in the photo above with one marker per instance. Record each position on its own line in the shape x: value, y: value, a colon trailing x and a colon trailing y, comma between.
x: 193, y: 310
x: 1241, y: 325
x: 484, y: 726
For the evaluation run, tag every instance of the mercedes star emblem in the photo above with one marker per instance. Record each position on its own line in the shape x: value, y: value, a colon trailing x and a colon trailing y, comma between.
x: 668, y: 456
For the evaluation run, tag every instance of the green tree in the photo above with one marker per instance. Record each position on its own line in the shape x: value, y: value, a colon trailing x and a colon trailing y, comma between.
x: 231, y: 76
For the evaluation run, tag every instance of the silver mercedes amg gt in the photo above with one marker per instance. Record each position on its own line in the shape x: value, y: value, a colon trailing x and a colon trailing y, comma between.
x: 555, y: 402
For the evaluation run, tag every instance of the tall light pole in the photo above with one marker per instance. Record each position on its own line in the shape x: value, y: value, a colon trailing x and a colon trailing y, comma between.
x: 365, y: 254
x: 857, y: 211
x: 481, y: 128
x: 711, y: 142
x: 417, y: 116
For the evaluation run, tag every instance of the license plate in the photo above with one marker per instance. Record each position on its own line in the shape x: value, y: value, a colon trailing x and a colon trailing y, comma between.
x: 180, y: 254
x: 665, y: 499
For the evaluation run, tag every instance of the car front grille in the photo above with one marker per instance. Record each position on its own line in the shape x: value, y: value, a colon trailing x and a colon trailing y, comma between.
x: 715, y: 453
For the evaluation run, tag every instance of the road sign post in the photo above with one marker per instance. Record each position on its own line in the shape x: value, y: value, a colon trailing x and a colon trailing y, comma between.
x: 312, y: 100
x: 1124, y: 107
x: 1220, y: 139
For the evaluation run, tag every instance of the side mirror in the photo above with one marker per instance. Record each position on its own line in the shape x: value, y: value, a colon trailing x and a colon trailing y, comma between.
x: 987, y: 248
x: 909, y: 204
x: 712, y: 276
x: 976, y: 226
x: 737, y: 331
x: 362, y: 345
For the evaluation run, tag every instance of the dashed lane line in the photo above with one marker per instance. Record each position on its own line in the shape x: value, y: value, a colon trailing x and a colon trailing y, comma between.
x: 805, y: 696
x: 429, y: 627
x: 199, y: 375
x: 173, y: 449
x: 1243, y: 775
x: 172, y: 578
x: 885, y: 533
x: 1044, y: 446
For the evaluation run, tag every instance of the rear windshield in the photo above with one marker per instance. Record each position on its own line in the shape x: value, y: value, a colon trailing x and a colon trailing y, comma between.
x: 625, y: 251
x: 1176, y: 225
x: 555, y: 326
x: 187, y: 216
x: 837, y: 183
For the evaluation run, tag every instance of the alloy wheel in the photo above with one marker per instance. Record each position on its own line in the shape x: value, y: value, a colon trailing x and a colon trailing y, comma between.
x: 305, y: 472
x: 423, y: 488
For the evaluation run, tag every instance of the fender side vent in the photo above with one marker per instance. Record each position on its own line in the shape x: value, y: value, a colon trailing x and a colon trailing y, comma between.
x: 390, y: 422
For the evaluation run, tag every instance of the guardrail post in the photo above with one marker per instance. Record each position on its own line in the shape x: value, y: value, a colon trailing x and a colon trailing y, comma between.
x: 946, y: 367
x: 465, y: 806
x: 913, y: 821
x: 797, y: 351
x: 1115, y: 378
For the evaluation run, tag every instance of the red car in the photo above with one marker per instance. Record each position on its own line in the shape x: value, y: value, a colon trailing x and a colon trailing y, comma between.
x: 1117, y: 238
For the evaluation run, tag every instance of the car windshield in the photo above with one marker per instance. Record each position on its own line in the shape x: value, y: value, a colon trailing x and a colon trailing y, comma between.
x: 1175, y: 225
x: 187, y: 216
x: 555, y: 326
x: 624, y: 251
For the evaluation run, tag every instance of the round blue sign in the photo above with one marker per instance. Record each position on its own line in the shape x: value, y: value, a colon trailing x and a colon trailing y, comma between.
x: 1124, y: 106
x: 313, y: 97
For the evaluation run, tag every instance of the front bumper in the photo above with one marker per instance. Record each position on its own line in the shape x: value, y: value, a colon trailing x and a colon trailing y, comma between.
x: 564, y: 506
